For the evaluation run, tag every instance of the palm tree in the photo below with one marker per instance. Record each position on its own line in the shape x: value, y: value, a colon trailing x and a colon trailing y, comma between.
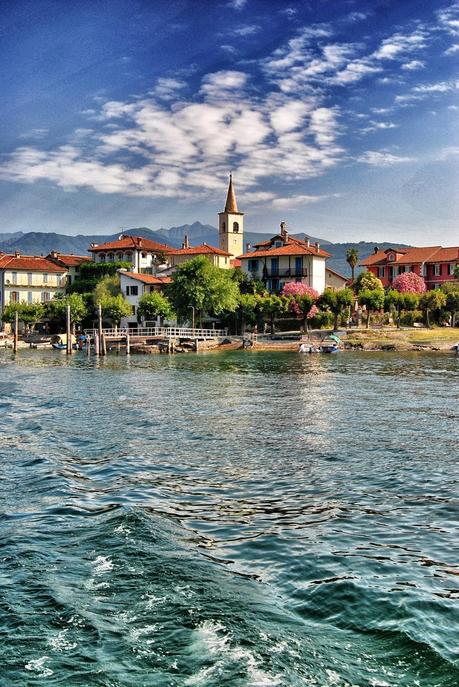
x: 352, y: 258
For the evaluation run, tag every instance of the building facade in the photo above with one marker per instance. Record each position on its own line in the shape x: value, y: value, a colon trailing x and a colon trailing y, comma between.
x: 284, y: 259
x: 231, y: 225
x: 334, y: 280
x: 133, y: 287
x: 29, y: 279
x: 71, y: 263
x: 434, y: 263
x: 145, y: 255
x: 217, y: 256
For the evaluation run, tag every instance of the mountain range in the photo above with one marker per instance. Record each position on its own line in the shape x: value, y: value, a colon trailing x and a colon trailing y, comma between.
x: 41, y: 243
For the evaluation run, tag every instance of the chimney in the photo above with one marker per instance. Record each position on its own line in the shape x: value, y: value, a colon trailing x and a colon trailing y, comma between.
x: 375, y: 250
x: 140, y: 242
x: 53, y: 254
x: 248, y: 247
x: 284, y: 232
x: 94, y: 245
x: 307, y: 241
x: 317, y: 245
x: 17, y: 254
x: 185, y: 243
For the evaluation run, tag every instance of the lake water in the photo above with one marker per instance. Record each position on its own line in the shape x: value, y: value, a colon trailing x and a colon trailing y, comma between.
x: 229, y: 520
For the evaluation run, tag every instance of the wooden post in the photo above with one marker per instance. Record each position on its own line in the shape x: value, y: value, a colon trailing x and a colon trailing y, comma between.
x: 88, y: 345
x: 128, y: 344
x: 16, y: 330
x: 99, y: 317
x: 69, y: 333
x: 96, y: 344
x: 104, y: 345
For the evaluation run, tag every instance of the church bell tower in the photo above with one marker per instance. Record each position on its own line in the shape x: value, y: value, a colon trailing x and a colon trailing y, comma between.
x: 231, y: 225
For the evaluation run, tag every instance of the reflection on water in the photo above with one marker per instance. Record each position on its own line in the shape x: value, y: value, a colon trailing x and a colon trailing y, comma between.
x: 238, y: 519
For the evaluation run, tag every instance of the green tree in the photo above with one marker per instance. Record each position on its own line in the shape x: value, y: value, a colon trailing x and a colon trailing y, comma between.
x: 367, y: 280
x: 200, y: 285
x: 336, y: 302
x: 153, y: 305
x: 352, y: 258
x: 107, y: 286
x: 399, y: 301
x: 56, y: 310
x: 272, y: 306
x: 451, y: 291
x: 247, y: 310
x: 28, y: 313
x: 431, y: 302
x: 456, y: 272
x: 372, y: 299
x: 114, y: 308
x: 91, y: 273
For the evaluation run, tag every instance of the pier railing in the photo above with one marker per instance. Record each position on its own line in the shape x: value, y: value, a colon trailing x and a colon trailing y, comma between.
x: 167, y: 332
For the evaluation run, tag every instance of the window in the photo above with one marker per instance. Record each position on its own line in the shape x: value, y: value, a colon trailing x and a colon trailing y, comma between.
x: 128, y: 257
x: 391, y: 257
x: 144, y: 255
x: 29, y: 278
x: 277, y: 244
x: 236, y: 227
x: 110, y: 257
x: 29, y: 297
x: 14, y: 277
x: 132, y: 290
x: 437, y: 270
x: 423, y: 270
x: 102, y: 257
x: 298, y: 266
x: 253, y: 265
x: 133, y: 309
x: 223, y: 226
x: 381, y: 272
x: 44, y: 297
x: 14, y: 297
x: 69, y: 279
x: 45, y: 278
x: 119, y: 256
x: 451, y: 268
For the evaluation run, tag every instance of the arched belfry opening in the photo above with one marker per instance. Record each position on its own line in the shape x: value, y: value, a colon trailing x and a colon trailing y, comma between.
x: 231, y: 224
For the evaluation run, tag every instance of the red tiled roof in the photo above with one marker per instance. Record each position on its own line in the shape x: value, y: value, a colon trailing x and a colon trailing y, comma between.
x: 68, y: 260
x: 235, y: 262
x: 203, y: 249
x: 126, y: 242
x: 31, y: 263
x: 292, y: 247
x: 413, y: 255
x: 147, y: 278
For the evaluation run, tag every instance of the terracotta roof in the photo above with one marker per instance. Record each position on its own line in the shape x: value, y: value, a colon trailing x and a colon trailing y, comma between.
x: 231, y: 203
x: 446, y: 254
x: 68, y: 260
x: 413, y: 255
x: 126, y: 242
x: 31, y: 263
x: 235, y: 262
x: 147, y: 278
x: 292, y: 247
x: 203, y: 249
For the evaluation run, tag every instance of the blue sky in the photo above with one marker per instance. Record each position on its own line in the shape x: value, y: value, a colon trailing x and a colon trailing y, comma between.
x: 337, y: 117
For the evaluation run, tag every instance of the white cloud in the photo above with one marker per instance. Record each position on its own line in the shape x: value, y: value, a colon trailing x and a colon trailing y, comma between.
x: 296, y: 201
x: 413, y: 65
x: 167, y: 88
x: 247, y: 30
x: 382, y: 158
x: 440, y: 87
x: 237, y: 4
x: 379, y: 126
x: 399, y: 44
x: 448, y: 18
x: 452, y: 50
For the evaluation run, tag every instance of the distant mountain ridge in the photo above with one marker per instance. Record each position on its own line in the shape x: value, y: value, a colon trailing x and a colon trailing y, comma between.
x: 41, y: 243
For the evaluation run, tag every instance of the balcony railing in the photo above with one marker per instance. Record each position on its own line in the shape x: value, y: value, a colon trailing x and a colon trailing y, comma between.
x: 287, y: 272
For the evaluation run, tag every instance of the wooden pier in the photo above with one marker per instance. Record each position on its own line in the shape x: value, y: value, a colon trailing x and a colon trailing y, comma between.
x: 166, y: 339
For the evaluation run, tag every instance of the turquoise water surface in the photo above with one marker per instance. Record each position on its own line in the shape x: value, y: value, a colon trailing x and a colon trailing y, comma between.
x: 229, y: 520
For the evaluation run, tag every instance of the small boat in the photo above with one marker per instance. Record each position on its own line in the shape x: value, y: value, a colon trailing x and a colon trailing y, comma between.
x: 59, y: 346
x: 330, y: 344
x: 59, y: 342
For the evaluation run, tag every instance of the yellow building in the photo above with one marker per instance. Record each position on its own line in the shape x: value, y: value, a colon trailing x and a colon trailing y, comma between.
x: 29, y: 279
x: 231, y: 225
x: 217, y: 256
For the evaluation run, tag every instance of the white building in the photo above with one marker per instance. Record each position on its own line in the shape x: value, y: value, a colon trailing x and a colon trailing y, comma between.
x: 29, y: 279
x: 133, y: 287
x: 284, y: 259
x: 144, y: 255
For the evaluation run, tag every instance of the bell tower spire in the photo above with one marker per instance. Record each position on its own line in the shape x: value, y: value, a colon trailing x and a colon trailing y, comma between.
x: 231, y: 224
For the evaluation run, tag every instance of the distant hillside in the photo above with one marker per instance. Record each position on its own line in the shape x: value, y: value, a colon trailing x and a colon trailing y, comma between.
x: 41, y: 243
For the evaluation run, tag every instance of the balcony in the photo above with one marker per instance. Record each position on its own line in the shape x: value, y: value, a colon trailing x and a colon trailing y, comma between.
x: 291, y: 272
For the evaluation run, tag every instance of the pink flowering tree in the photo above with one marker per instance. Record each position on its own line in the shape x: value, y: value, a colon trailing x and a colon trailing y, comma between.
x: 409, y: 282
x: 302, y: 300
